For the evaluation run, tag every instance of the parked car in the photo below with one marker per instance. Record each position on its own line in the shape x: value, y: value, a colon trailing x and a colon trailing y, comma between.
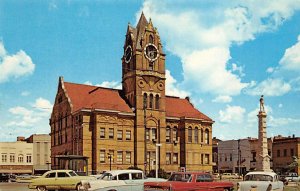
x: 58, y: 179
x: 25, y: 178
x: 292, y: 177
x: 183, y: 181
x: 121, y: 180
x: 4, y: 177
x: 260, y: 181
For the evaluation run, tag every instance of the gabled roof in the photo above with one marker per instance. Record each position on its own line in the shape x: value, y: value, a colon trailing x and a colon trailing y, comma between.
x: 93, y: 97
x: 177, y: 107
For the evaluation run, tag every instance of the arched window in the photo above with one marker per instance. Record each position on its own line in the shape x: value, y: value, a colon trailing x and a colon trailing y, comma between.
x: 190, y: 133
x: 168, y: 134
x: 206, y: 136
x: 145, y: 101
x: 157, y: 102
x: 151, y: 101
x: 202, y: 139
x: 150, y: 38
x: 196, y: 135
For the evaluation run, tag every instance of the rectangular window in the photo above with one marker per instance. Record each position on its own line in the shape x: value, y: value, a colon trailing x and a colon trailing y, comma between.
x: 111, y: 133
x: 119, y: 156
x: 102, y: 133
x: 4, y: 157
x: 230, y: 157
x: 175, y: 158
x: 147, y: 134
x: 102, y: 156
x: 20, y: 158
x: 189, y: 134
x: 154, y: 137
x: 120, y: 135
x: 206, y: 159
x: 292, y: 152
x: 278, y: 153
x: 28, y: 158
x: 168, y: 158
x: 284, y: 152
x: 12, y: 158
x: 168, y: 135
x: 196, y: 135
x: 128, y: 157
x: 128, y: 135
x: 111, y: 154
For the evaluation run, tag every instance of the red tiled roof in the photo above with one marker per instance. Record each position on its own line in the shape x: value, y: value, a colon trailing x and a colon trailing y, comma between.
x: 88, y: 97
x: 176, y: 107
x: 94, y: 97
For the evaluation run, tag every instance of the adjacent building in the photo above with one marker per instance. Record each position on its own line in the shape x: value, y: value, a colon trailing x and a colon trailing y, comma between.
x: 41, y: 152
x: 234, y: 156
x: 122, y: 128
x: 16, y: 157
x: 286, y: 154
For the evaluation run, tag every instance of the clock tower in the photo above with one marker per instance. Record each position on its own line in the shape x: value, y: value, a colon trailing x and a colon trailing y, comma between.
x: 143, y: 81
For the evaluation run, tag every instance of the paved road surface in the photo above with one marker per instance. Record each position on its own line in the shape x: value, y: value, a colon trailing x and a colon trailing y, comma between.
x: 14, y: 186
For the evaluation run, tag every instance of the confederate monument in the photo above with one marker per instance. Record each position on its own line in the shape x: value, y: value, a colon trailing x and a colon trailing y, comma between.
x: 263, y: 159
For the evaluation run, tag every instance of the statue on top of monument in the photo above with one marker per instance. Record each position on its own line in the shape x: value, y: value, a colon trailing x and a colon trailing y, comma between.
x: 262, y: 106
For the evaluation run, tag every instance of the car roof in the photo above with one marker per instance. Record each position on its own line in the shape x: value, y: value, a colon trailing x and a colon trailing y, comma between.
x: 59, y: 171
x: 262, y: 172
x: 116, y: 172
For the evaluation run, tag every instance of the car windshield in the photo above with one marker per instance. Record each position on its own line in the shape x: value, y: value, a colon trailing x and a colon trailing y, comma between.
x: 72, y: 173
x: 180, y: 177
x: 258, y: 177
x: 106, y: 176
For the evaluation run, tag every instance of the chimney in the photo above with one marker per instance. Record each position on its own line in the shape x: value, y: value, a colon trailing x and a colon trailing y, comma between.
x: 187, y: 98
x: 20, y: 138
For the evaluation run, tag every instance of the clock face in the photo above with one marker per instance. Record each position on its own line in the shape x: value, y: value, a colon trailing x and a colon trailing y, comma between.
x: 151, y: 52
x: 128, y: 54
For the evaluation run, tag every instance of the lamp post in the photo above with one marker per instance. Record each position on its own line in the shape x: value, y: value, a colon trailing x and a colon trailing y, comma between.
x: 109, y: 156
x: 156, y: 160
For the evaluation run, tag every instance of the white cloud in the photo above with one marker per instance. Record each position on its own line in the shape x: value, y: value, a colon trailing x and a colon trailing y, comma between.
x: 25, y: 93
x: 172, y: 88
x: 291, y: 57
x: 202, y: 33
x: 232, y: 114
x: 270, y: 70
x: 106, y: 84
x: 270, y: 87
x: 222, y: 99
x: 14, y: 66
x: 24, y: 117
x: 282, y: 122
x: 280, y: 105
x: 43, y: 105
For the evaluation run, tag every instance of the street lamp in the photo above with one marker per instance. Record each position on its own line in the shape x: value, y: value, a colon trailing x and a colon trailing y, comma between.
x: 156, y: 160
x: 109, y: 156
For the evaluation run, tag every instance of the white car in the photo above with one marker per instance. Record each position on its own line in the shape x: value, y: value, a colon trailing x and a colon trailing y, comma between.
x: 260, y: 181
x: 121, y: 180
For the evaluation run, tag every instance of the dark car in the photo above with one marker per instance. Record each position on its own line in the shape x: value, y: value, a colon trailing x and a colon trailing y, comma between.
x: 4, y: 177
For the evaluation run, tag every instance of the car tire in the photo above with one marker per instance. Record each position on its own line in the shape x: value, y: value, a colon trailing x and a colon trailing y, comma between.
x: 78, y: 187
x: 41, y: 188
x: 269, y: 188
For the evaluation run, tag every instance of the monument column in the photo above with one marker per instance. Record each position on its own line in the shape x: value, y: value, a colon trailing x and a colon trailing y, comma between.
x: 263, y: 159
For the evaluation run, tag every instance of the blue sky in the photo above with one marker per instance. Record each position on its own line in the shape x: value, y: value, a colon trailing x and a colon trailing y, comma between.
x: 223, y: 54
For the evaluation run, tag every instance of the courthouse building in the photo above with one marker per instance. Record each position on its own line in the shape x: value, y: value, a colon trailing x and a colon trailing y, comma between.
x: 118, y: 129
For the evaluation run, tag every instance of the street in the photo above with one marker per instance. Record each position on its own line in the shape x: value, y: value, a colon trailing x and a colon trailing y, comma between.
x: 14, y: 186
